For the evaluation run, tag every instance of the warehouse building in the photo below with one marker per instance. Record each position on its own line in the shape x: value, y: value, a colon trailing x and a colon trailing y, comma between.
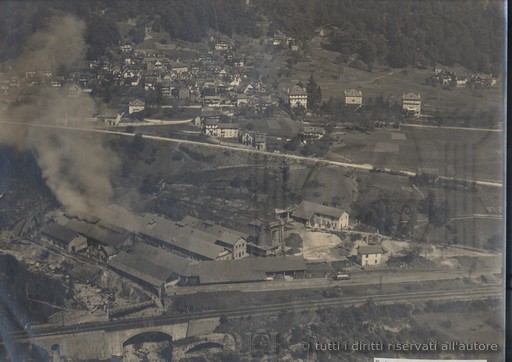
x: 320, y: 216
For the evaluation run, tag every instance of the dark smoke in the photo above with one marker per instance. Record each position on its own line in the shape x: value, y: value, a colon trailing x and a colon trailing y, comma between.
x: 75, y: 165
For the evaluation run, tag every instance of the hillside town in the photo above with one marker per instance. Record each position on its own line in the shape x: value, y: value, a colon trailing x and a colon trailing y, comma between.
x: 215, y: 195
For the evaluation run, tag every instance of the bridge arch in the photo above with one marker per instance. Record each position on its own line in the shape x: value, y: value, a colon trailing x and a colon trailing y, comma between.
x: 204, y: 345
x: 138, y: 339
x: 147, y: 336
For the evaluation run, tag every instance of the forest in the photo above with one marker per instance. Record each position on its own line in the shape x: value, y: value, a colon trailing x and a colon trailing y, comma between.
x: 400, y: 32
x: 396, y: 33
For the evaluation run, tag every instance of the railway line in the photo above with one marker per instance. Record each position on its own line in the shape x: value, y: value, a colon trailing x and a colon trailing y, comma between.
x: 477, y: 292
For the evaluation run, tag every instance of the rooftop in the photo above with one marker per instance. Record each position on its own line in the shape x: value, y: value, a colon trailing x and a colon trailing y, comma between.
x: 369, y: 249
x: 229, y: 125
x: 297, y: 90
x: 137, y: 102
x: 412, y: 96
x: 103, y: 232
x: 311, y: 129
x: 59, y: 232
x: 244, y: 270
x: 222, y: 233
x: 353, y: 93
x: 307, y: 209
x: 150, y: 264
x: 184, y: 237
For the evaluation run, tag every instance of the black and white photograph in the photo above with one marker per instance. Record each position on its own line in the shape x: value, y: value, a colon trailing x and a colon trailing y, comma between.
x: 253, y: 180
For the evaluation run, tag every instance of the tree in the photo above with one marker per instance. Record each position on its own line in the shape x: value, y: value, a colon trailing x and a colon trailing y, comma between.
x: 137, y: 145
x: 314, y: 93
x: 438, y: 213
x: 368, y: 52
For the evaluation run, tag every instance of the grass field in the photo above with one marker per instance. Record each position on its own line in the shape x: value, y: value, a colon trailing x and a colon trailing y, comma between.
x: 334, y: 78
x: 447, y: 152
x: 323, y: 185
x: 279, y: 125
x: 469, y: 232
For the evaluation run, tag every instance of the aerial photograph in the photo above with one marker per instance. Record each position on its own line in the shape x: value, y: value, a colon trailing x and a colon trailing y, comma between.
x: 252, y: 180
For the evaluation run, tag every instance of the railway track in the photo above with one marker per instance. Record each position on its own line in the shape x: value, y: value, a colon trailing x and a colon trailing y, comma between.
x: 480, y: 292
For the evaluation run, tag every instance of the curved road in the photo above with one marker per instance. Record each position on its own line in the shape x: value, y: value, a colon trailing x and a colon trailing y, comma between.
x: 360, y: 166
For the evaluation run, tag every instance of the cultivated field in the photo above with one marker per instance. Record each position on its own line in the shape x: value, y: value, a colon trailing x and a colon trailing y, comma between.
x: 473, y: 232
x: 448, y: 152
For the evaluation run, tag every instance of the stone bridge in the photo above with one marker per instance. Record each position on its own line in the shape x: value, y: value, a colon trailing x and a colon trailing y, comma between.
x: 109, y: 344
x: 215, y: 340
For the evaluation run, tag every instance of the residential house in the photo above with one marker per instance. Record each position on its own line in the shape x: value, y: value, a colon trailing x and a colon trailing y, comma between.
x: 227, y: 130
x: 126, y: 47
x: 157, y: 66
x: 260, y: 141
x: 183, y: 93
x: 369, y: 255
x: 461, y: 82
x: 297, y: 96
x: 249, y: 89
x: 280, y: 41
x: 353, y: 97
x: 254, y: 139
x: 241, y: 100
x: 312, y: 133
x: 321, y: 216
x: 222, y: 46
x: 56, y: 83
x: 229, y: 56
x: 179, y: 68
x: 166, y: 89
x: 212, y: 101
x: 136, y: 106
x: 210, y: 127
x: 483, y: 81
x: 238, y: 62
x: 411, y: 103
x: 111, y: 117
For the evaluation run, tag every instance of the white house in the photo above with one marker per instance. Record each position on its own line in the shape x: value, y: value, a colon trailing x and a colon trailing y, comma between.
x: 321, y: 216
x: 227, y: 130
x: 411, y: 103
x: 369, y: 255
x: 136, y: 106
x: 297, y: 96
x: 353, y: 97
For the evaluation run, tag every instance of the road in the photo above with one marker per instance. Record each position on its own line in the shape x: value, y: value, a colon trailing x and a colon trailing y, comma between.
x: 357, y: 166
x: 468, y: 293
x: 448, y: 127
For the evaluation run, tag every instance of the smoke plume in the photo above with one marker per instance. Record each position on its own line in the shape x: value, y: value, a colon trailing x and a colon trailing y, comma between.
x: 75, y: 164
